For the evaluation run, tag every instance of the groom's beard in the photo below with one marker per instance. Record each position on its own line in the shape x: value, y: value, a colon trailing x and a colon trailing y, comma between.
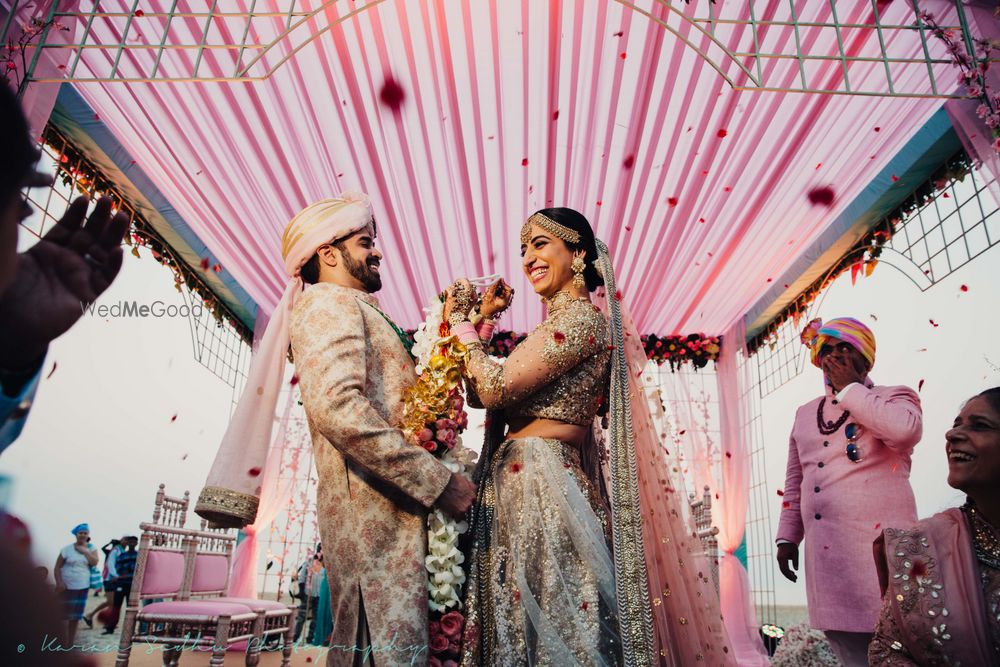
x: 368, y: 277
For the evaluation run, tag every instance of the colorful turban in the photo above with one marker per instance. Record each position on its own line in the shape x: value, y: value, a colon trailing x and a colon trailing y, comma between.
x: 232, y: 490
x: 846, y: 329
x: 79, y: 527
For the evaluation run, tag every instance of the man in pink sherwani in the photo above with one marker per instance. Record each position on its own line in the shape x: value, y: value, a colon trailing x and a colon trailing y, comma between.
x: 848, y: 476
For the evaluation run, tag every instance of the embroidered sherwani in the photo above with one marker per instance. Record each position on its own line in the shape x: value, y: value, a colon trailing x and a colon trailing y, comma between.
x: 374, y: 488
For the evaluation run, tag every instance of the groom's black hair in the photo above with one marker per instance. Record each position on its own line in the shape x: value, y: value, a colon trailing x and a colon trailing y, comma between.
x: 575, y: 220
x: 19, y: 154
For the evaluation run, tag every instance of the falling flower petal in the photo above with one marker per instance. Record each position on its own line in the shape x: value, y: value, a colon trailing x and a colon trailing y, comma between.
x: 629, y: 162
x: 895, y: 178
x: 217, y: 268
x: 672, y: 201
x: 934, y: 324
x: 617, y: 34
x: 524, y: 162
x: 204, y: 263
x: 555, y: 115
x: 781, y: 492
x: 173, y: 419
x: 622, y: 56
x: 878, y: 129
x: 392, y: 94
x: 55, y: 365
x: 721, y: 133
x: 294, y: 381
x: 964, y: 288
x: 920, y: 385
x: 140, y: 13
x: 823, y: 196
x: 253, y: 472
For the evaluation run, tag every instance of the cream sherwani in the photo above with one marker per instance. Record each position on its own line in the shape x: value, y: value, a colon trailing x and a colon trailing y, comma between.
x: 374, y: 488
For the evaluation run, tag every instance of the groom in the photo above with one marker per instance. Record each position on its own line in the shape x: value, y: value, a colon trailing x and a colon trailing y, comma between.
x: 374, y: 488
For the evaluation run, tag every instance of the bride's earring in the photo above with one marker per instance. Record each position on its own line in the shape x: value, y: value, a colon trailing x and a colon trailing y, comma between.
x: 578, y: 266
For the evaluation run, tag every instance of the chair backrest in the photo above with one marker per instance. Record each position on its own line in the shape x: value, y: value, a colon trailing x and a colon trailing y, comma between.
x: 170, y: 511
x: 210, y: 560
x: 160, y: 566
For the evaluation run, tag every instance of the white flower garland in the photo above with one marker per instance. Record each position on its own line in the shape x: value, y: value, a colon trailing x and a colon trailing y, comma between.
x: 444, y: 559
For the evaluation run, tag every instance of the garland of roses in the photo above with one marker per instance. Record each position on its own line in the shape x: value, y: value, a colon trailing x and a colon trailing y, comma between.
x: 695, y: 349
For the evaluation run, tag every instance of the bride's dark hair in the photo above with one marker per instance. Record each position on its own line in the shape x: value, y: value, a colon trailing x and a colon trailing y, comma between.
x: 575, y: 220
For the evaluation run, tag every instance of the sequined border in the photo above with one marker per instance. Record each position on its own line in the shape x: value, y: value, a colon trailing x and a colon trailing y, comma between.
x: 226, y: 508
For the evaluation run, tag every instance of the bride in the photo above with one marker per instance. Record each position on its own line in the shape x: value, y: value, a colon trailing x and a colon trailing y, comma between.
x: 579, y: 550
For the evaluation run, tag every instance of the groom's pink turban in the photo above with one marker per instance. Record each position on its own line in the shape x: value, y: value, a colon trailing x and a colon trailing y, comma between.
x: 232, y: 491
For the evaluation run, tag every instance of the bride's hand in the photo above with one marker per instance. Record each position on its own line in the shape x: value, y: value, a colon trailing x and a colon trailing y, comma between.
x: 496, y: 299
x: 459, y: 299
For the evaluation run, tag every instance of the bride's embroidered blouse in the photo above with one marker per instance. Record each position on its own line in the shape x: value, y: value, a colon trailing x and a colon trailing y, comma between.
x: 560, y: 371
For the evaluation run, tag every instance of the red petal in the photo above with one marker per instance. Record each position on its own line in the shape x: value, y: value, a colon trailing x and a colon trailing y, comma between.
x: 934, y: 324
x: 55, y: 365
x: 559, y: 336
x: 392, y: 94
x: 780, y: 492
x: 139, y: 12
x: 618, y: 295
x: 786, y: 505
x: 555, y: 115
x: 204, y: 263
x: 895, y: 178
x: 515, y: 467
x: 672, y: 201
x: 253, y: 472
x: 877, y: 526
x: 217, y: 268
x: 729, y: 455
x: 294, y: 381
x: 173, y: 419
x: 964, y: 288
x: 622, y: 56
x: 617, y: 34
x: 701, y: 220
x: 721, y: 133
x: 598, y: 202
x: 878, y: 129
x: 819, y: 165
x: 822, y: 196
x: 584, y: 606
x: 629, y: 162
x: 920, y: 385
x: 524, y: 162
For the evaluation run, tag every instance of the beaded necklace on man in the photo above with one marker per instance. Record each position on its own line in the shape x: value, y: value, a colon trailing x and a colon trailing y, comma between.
x: 829, y: 427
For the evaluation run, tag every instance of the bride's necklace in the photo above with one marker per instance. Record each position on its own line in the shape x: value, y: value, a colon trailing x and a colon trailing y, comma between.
x: 561, y: 300
x: 829, y: 428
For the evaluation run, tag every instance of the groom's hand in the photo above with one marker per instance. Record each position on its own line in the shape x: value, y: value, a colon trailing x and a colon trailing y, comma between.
x: 457, y: 497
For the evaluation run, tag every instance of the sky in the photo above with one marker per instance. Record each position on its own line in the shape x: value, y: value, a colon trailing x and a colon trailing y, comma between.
x: 101, y: 435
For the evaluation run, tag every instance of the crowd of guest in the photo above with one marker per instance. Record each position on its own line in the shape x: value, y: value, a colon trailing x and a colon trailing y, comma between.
x: 885, y: 588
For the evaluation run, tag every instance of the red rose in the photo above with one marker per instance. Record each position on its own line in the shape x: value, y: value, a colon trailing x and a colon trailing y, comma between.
x: 439, y: 644
x: 435, y: 628
x: 430, y: 446
x: 451, y: 625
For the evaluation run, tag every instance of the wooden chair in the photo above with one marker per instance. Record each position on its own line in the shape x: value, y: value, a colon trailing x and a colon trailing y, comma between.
x: 162, y: 570
x: 211, y: 567
x: 184, y: 574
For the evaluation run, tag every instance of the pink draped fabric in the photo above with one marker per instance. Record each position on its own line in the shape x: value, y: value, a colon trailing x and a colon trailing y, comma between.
x: 509, y: 107
x: 273, y: 498
x: 734, y: 584
x: 684, y: 609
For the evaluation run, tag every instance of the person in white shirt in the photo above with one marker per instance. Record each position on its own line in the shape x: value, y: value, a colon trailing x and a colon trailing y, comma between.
x: 72, y: 574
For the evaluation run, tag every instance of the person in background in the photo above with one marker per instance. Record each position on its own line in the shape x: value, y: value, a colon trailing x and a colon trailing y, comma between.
x: 121, y: 570
x: 940, y: 578
x: 72, y: 572
x: 42, y: 289
x: 110, y: 552
x: 848, y: 475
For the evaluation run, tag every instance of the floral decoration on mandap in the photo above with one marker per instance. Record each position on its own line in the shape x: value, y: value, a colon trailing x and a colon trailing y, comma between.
x: 434, y: 418
x: 676, y: 350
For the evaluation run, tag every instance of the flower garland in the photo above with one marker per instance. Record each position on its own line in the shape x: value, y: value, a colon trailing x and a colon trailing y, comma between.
x: 695, y: 349
x: 973, y: 67
x: 433, y: 418
x: 804, y: 647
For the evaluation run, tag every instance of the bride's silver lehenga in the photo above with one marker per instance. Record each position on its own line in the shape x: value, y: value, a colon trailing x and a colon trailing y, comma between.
x: 541, y: 585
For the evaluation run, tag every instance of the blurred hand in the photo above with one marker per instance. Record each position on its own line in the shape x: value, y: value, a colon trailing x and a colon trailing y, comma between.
x: 788, y: 558
x: 457, y: 497
x: 69, y: 267
x: 496, y: 299
x: 842, y: 371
